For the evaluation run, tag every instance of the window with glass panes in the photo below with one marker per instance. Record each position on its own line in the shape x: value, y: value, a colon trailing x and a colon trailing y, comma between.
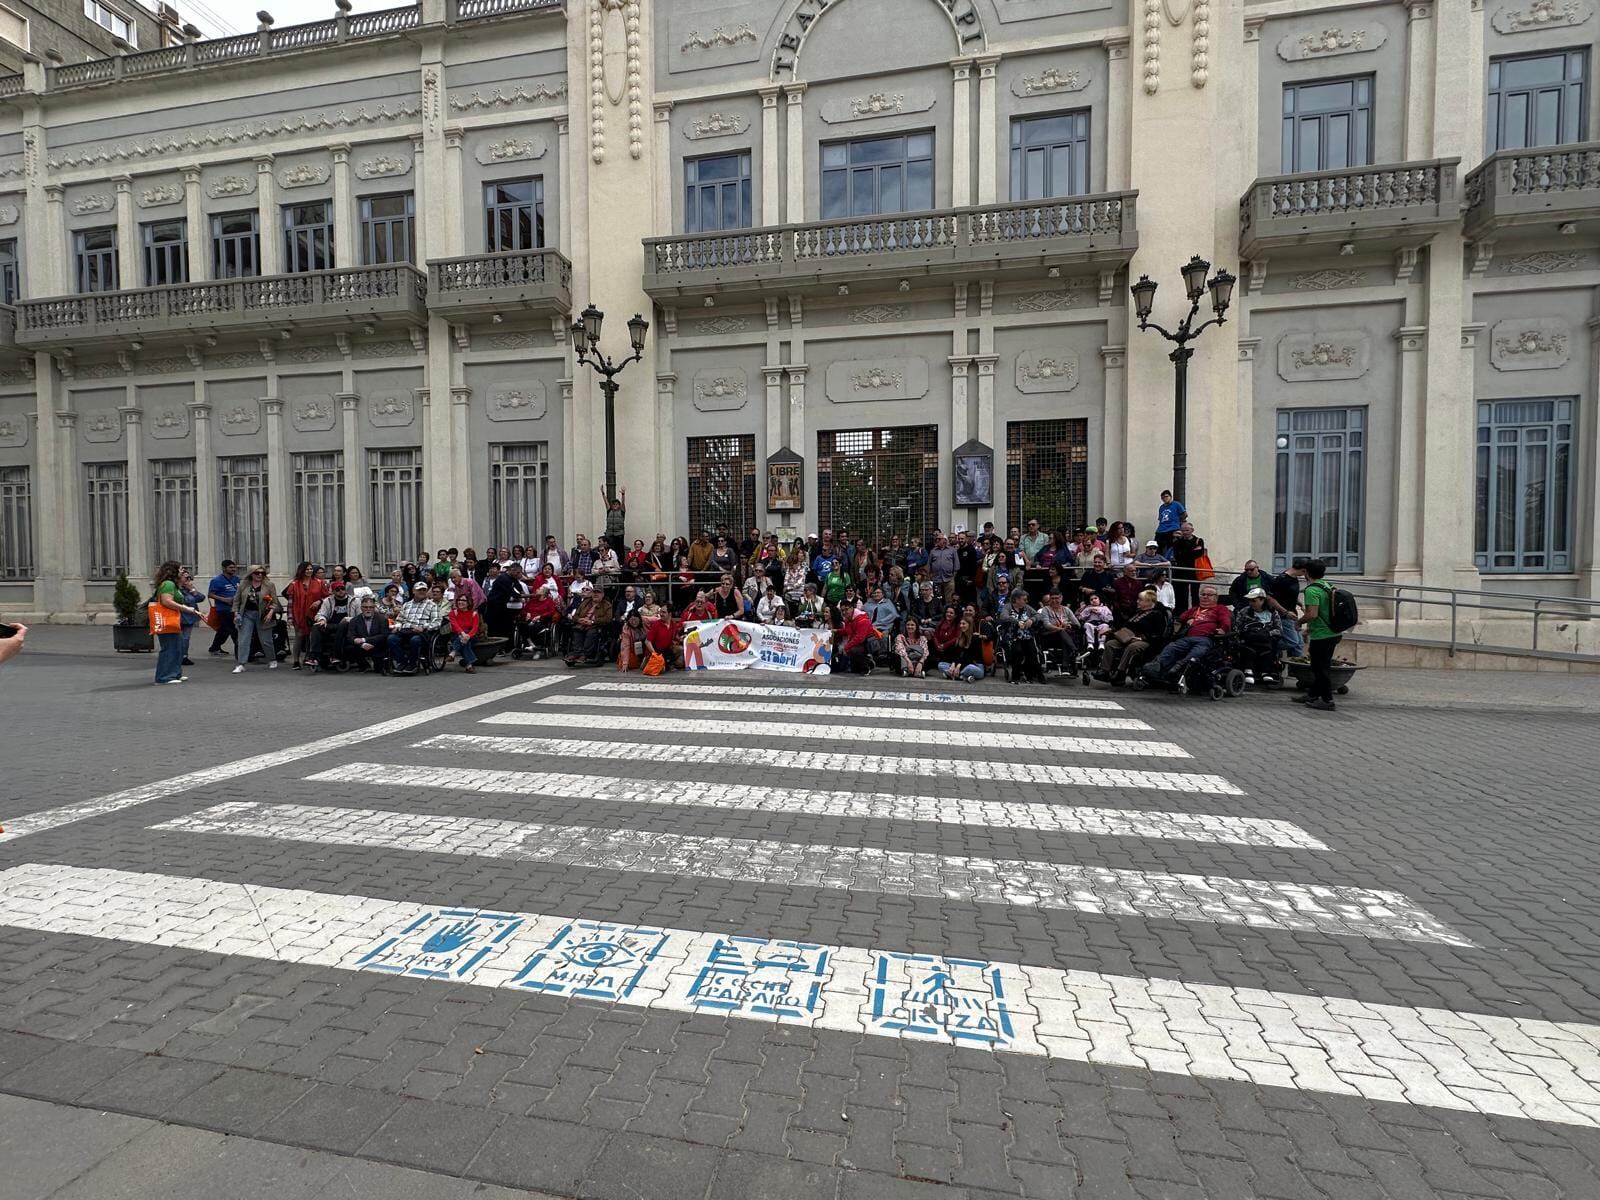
x: 877, y: 175
x: 1525, y: 485
x: 244, y: 507
x: 513, y: 213
x: 16, y: 524
x: 111, y: 20
x: 1050, y: 156
x: 1327, y: 125
x: 1537, y: 99
x: 235, y: 246
x: 1320, y: 486
x: 94, y: 253
x: 519, y: 490
x: 106, y: 515
x: 173, y: 524
x: 395, y: 477
x: 308, y: 237
x: 386, y: 223
x: 319, y: 506
x: 166, y: 252
x: 722, y: 481
x: 716, y: 192
x: 8, y: 271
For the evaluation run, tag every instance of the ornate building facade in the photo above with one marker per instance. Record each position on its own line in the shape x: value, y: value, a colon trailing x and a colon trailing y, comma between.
x: 308, y: 293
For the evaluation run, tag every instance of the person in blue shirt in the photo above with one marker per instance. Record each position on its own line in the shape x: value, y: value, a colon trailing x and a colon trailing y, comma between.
x: 1169, y: 518
x: 221, y: 591
x: 190, y: 619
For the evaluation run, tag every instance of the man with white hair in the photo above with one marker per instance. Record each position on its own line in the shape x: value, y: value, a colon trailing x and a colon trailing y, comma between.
x: 1197, y: 627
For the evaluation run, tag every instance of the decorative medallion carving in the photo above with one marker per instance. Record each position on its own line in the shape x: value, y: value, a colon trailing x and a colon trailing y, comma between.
x: 231, y: 185
x: 240, y: 418
x: 1331, y: 42
x: 717, y: 37
x: 518, y: 402
x: 716, y: 124
x: 1326, y: 280
x: 1046, y: 371
x: 164, y: 366
x: 1545, y: 262
x: 511, y: 149
x: 102, y: 425
x: 877, y: 379
x: 874, y: 378
x: 307, y: 354
x: 392, y: 410
x: 233, y: 361
x: 13, y: 432
x: 720, y: 389
x: 513, y: 341
x: 1043, y: 301
x: 1317, y: 357
x: 876, y: 104
x: 383, y: 166
x: 501, y: 98
x: 720, y: 325
x: 98, y: 203
x: 1530, y: 344
x: 879, y: 314
x: 160, y: 195
x: 9, y: 214
x: 316, y: 415
x: 303, y: 175
x: 168, y: 422
x: 1543, y: 14
x: 387, y: 350
x: 1049, y: 82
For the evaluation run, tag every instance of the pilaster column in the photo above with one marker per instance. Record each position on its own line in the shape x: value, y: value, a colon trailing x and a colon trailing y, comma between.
x: 140, y: 554
x: 960, y: 419
x: 1420, y: 29
x: 346, y: 229
x: 662, y: 222
x: 769, y: 156
x: 774, y: 394
x: 128, y: 273
x: 795, y: 170
x: 195, y: 221
x: 267, y: 217
x: 1113, y: 477
x: 985, y: 428
x: 960, y: 132
x: 455, y: 244
x: 68, y: 486
x: 1588, y: 556
x: 57, y: 279
x: 279, y: 524
x: 988, y: 65
x: 421, y: 230
x: 568, y: 191
x: 564, y: 524
x: 1410, y: 421
x: 666, y: 456
x: 459, y: 513
x: 1250, y: 91
x: 1118, y: 114
x: 207, y: 489
x: 357, y: 545
x: 797, y: 414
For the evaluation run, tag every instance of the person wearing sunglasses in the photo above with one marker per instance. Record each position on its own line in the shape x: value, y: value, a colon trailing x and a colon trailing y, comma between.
x: 255, y: 608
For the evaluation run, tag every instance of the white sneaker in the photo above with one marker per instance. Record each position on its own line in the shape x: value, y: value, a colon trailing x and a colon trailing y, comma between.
x: 183, y: 680
x: 273, y: 665
x: 239, y: 670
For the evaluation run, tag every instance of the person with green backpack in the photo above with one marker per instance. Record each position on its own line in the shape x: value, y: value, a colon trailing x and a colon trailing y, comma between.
x: 1324, y: 627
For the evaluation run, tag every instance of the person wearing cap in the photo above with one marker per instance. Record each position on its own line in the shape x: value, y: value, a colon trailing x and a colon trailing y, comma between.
x: 1150, y: 559
x: 1259, y: 629
x: 327, y: 626
x: 418, y: 622
x: 1251, y: 579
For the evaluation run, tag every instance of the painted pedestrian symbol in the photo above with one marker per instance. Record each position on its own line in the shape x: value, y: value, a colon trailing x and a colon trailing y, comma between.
x: 445, y: 944
x: 594, y: 959
x: 956, y: 998
x: 754, y: 976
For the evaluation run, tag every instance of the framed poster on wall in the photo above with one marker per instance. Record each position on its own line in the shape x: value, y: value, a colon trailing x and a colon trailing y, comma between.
x: 785, y: 482
x: 974, y: 475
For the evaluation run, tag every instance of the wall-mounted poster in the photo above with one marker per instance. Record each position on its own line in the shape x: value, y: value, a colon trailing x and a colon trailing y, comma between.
x: 785, y: 488
x: 974, y: 475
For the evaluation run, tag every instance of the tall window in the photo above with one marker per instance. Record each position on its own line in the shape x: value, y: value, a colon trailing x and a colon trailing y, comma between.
x: 1525, y: 485
x: 1537, y: 100
x: 722, y: 481
x: 1327, y: 125
x: 111, y: 20
x: 235, y: 246
x: 308, y: 237
x: 396, y: 480
x: 1047, y: 473
x: 8, y: 271
x: 1050, y: 156
x: 877, y: 175
x: 172, y: 510
x: 244, y: 507
x: 16, y: 524
x: 519, y: 484
x: 513, y: 212
x: 166, y: 252
x: 716, y: 193
x: 1320, y: 486
x: 108, y: 519
x: 319, y: 507
x: 94, y: 253
x: 386, y: 229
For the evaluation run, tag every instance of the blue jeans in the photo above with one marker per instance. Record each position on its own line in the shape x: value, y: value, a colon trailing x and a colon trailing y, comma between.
x: 169, y: 657
x: 464, y: 651
x: 973, y: 671
x: 1290, y: 641
x: 1178, y: 656
x: 250, y: 627
x: 411, y: 642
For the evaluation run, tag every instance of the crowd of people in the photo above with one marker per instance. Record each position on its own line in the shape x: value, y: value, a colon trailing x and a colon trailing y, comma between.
x: 960, y: 605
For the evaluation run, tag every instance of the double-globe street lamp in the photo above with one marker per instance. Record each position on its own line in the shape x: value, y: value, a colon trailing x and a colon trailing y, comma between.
x: 1196, y: 285
x: 586, y: 344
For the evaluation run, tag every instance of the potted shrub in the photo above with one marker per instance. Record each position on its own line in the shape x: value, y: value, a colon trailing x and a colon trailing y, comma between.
x: 131, y: 633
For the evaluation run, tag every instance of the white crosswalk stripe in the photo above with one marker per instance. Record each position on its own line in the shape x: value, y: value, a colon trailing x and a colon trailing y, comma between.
x: 865, y: 712
x: 1211, y: 899
x: 1036, y: 702
x: 1463, y: 1062
x: 807, y: 756
x: 1037, y: 743
x: 887, y: 806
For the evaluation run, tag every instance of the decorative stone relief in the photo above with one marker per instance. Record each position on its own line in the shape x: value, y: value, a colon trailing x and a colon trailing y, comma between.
x: 718, y: 36
x: 1327, y: 280
x: 1331, y: 42
x: 1545, y: 262
x: 98, y: 203
x: 164, y: 366
x: 511, y: 149
x: 9, y: 214
x: 720, y: 389
x: 879, y: 314
x: 102, y: 425
x: 13, y: 432
x: 99, y: 370
x: 1542, y: 14
x: 1041, y: 371
x: 501, y: 98
x: 1049, y: 82
x: 513, y: 341
x: 304, y: 175
x: 231, y: 185
x: 877, y: 379
x: 392, y: 410
x: 316, y: 415
x: 876, y: 104
x: 230, y: 362
x: 1314, y: 357
x: 716, y: 124
x: 383, y: 166
x: 386, y: 350
x: 518, y: 402
x: 240, y: 418
x: 721, y: 325
x: 1530, y: 344
x: 1043, y: 301
x: 615, y: 71
x: 306, y: 354
x: 168, y: 422
x: 160, y: 195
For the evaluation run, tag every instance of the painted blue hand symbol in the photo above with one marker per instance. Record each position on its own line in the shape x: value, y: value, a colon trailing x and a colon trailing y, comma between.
x: 451, y: 937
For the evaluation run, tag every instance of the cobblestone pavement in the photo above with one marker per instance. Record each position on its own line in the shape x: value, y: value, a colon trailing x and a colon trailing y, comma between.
x: 593, y: 936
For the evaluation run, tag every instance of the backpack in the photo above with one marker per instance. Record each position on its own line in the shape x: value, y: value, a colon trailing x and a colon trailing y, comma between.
x: 1342, y: 612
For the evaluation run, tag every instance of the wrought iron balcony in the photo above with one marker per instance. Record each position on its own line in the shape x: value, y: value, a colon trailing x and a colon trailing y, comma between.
x: 1537, y: 191
x: 325, y: 300
x: 1395, y: 204
x: 535, y: 282
x: 918, y: 247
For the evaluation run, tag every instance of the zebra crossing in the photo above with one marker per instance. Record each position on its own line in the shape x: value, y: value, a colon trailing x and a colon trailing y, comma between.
x: 1470, y: 1062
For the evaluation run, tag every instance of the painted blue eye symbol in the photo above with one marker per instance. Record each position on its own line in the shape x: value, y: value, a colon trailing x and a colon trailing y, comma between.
x: 451, y: 937
x: 599, y: 954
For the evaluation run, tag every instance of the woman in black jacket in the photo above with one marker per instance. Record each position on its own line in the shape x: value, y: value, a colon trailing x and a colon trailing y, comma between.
x: 1144, y: 633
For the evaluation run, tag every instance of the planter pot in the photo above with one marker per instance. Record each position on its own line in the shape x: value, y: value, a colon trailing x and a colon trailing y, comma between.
x: 132, y: 639
x: 1340, y: 673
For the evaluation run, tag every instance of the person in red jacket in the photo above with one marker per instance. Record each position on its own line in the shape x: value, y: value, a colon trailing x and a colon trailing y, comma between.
x: 304, y: 594
x: 540, y: 616
x: 1196, y: 630
x: 858, y: 638
x: 465, y: 625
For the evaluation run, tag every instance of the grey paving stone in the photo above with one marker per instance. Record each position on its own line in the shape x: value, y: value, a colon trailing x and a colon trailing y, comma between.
x: 633, y: 1165
x: 529, y: 1152
x: 68, y: 1071
x: 151, y: 1085
x: 238, y: 1101
x: 741, y: 1176
x: 340, y: 1119
x: 439, y: 1137
x: 45, y: 1146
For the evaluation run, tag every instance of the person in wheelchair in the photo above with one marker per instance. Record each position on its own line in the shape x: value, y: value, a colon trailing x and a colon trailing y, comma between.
x: 1056, y: 631
x: 590, y: 621
x: 537, y: 630
x: 327, y: 628
x: 365, y: 637
x: 1132, y: 642
x: 1258, y: 631
x: 414, y: 631
x: 1198, y: 631
x: 1014, y: 626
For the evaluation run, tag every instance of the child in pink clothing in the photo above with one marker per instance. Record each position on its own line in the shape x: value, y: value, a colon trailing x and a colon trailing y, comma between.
x: 1096, y: 619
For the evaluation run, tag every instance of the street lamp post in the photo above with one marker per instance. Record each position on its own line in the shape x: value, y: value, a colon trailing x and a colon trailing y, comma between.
x: 586, y: 344
x: 1196, y: 286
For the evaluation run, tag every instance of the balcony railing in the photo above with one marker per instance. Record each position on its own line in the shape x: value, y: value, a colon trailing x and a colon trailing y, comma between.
x: 534, y: 280
x: 261, y: 303
x: 1082, y: 228
x: 1547, y: 186
x: 1370, y: 203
